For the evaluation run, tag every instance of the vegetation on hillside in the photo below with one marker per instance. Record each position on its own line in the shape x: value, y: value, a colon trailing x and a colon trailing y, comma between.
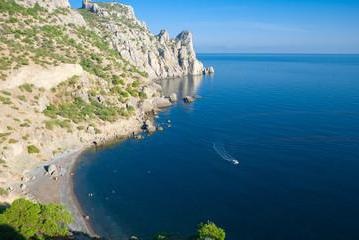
x: 33, y: 35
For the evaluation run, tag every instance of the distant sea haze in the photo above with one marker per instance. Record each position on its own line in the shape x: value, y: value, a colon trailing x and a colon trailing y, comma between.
x: 291, y: 121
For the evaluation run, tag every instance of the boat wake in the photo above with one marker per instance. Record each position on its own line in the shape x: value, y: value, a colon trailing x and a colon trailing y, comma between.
x: 221, y: 151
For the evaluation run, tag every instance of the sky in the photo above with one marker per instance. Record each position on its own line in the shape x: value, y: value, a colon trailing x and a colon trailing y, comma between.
x: 256, y: 26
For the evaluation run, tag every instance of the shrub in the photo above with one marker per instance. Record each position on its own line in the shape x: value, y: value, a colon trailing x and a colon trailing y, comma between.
x: 27, y: 87
x: 210, y: 231
x: 79, y: 111
x: 35, y: 221
x: 4, y: 134
x: 31, y: 149
x: 3, y: 192
x: 12, y: 141
x: 5, y: 100
x: 22, y: 98
x: 51, y: 124
x: 116, y: 80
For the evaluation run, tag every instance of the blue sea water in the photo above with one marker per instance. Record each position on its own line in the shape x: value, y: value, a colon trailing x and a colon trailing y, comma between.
x: 292, y: 122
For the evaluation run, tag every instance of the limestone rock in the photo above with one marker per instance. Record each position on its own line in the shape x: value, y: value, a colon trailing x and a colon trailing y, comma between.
x: 149, y: 126
x: 188, y: 99
x: 173, y: 97
x: 147, y: 106
x: 23, y: 187
x: 48, y: 4
x: 91, y: 130
x: 158, y: 55
x: 162, y: 102
x: 208, y: 70
x: 52, y: 170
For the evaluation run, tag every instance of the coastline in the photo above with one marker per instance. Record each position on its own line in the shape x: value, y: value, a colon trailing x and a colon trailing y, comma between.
x: 46, y: 189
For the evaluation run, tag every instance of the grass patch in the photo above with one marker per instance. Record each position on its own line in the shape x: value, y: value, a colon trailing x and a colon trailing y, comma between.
x: 13, y: 141
x: 51, y: 124
x: 79, y: 111
x: 3, y: 192
x: 4, y: 134
x: 31, y: 149
x: 26, y: 87
x: 5, y: 100
x: 22, y: 98
x: 6, y: 93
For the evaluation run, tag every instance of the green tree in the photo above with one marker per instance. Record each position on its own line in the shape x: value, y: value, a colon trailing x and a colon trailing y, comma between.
x: 209, y: 231
x: 36, y: 221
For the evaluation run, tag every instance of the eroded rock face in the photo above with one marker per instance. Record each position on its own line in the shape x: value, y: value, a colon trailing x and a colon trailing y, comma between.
x: 158, y: 55
x: 71, y: 16
x: 48, y: 4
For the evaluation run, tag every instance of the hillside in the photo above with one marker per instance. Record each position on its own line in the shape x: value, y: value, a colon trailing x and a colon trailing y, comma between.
x: 71, y: 78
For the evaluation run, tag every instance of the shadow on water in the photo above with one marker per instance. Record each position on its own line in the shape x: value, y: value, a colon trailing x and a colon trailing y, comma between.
x: 187, y: 86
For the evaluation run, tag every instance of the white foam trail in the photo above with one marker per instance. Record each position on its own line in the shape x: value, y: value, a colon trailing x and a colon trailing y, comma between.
x: 221, y: 151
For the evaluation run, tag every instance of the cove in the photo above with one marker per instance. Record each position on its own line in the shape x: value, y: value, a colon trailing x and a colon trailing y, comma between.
x: 291, y: 121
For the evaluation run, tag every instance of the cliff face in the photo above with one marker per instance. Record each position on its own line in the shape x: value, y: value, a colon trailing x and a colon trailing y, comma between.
x: 158, y: 55
x: 48, y: 4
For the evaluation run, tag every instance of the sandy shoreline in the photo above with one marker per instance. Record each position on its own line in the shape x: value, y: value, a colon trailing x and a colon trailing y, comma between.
x: 45, y: 189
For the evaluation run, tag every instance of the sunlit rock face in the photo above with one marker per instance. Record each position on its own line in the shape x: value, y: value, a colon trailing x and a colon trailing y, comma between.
x: 49, y: 4
x: 158, y: 55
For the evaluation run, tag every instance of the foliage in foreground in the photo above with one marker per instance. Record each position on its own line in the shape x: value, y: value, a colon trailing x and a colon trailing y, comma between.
x: 205, y: 231
x: 25, y: 220
x: 210, y: 231
x: 34, y: 221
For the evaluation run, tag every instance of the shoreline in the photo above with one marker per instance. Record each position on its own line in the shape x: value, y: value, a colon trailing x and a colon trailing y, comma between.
x: 46, y: 189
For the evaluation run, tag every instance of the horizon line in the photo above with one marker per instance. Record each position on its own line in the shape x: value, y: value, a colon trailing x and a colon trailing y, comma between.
x: 277, y: 53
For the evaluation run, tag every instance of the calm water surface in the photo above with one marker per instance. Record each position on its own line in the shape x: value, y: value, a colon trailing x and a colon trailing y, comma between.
x: 292, y: 121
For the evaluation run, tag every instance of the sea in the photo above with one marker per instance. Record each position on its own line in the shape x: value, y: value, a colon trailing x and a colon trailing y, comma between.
x: 269, y: 150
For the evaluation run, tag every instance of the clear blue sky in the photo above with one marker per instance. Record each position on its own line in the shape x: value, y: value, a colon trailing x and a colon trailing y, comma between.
x: 257, y: 26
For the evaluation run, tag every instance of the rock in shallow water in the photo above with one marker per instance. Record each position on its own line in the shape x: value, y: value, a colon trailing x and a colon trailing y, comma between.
x: 188, y: 99
x: 162, y: 102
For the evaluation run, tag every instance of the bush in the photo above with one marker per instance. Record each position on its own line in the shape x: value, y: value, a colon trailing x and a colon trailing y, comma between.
x: 210, y: 231
x: 3, y: 192
x: 35, y: 221
x: 79, y: 111
x: 27, y: 87
x: 31, y: 149
x: 51, y: 124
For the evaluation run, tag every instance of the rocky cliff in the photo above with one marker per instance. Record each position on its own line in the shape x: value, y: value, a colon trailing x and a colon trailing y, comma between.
x: 158, y: 55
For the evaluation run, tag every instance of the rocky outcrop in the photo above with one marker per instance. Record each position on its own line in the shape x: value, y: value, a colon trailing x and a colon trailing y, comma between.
x: 158, y: 55
x: 208, y: 71
x: 48, y: 4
